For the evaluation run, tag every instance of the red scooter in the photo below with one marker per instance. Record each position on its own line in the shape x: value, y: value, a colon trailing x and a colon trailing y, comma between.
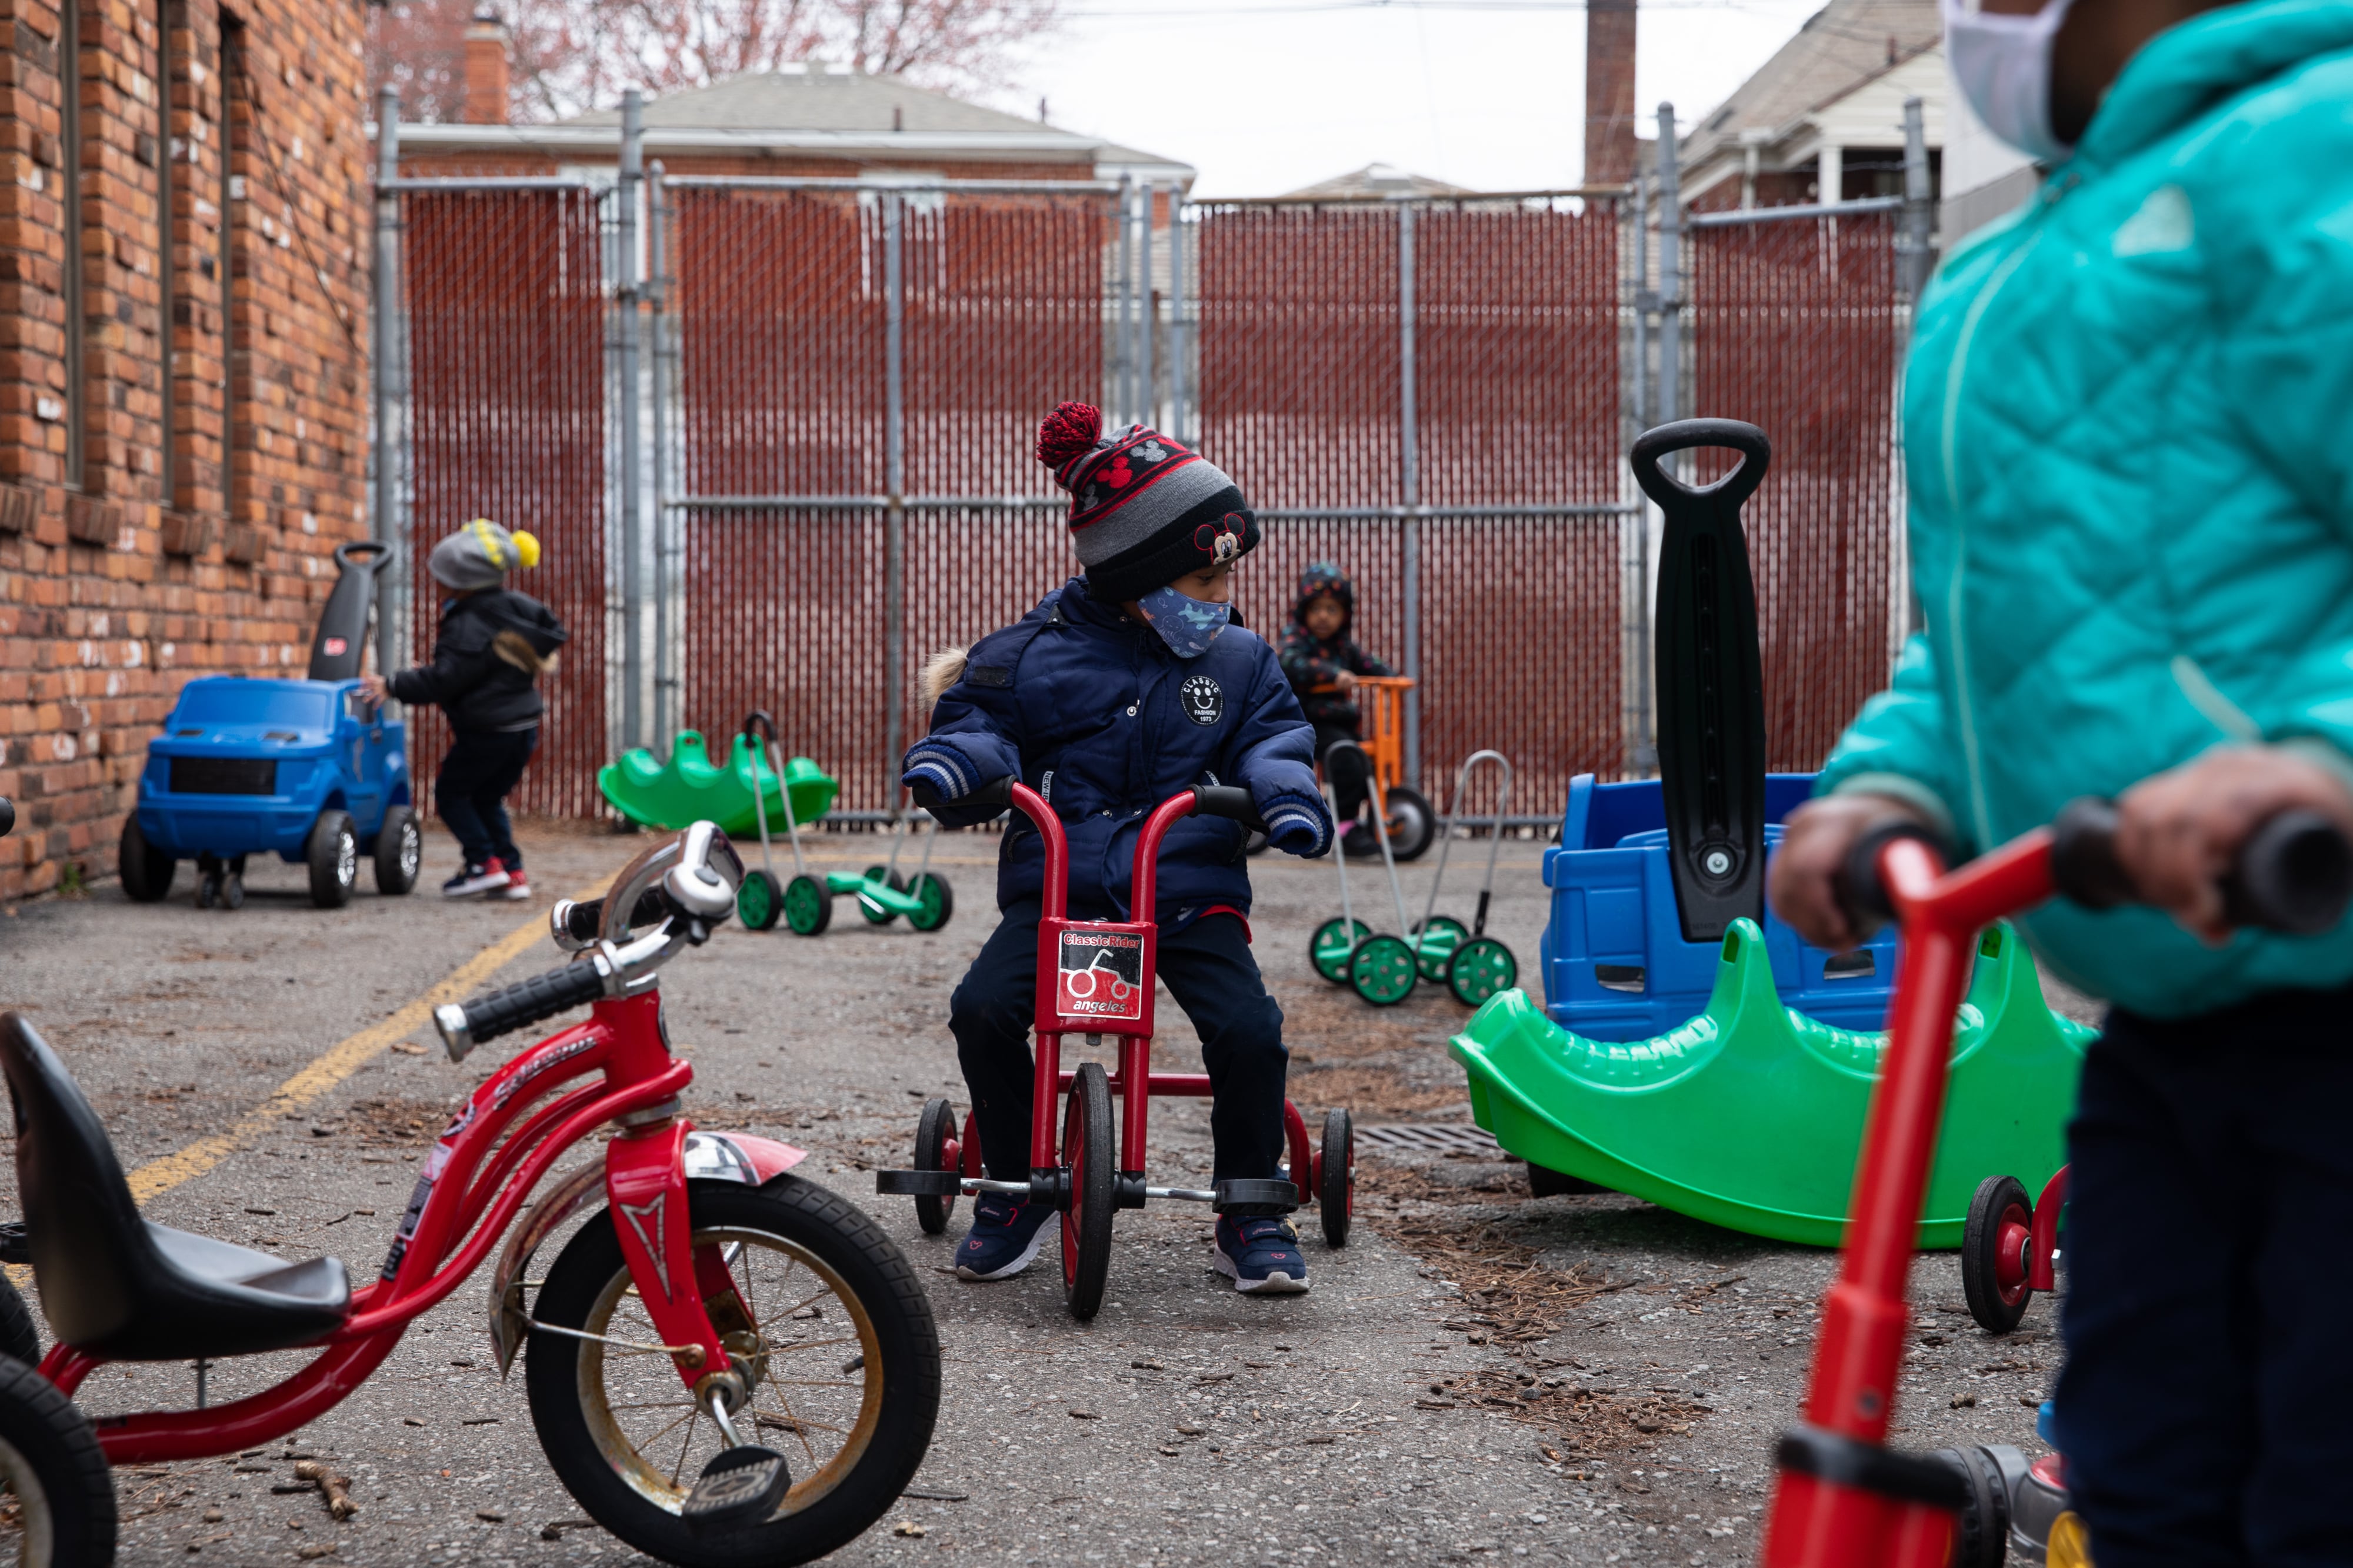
x: 711, y: 1300
x: 1095, y: 978
x: 1843, y: 1499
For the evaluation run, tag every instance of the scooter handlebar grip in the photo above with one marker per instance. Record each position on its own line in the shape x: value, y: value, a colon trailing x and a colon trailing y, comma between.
x: 1229, y: 801
x: 2083, y: 865
x: 465, y: 1024
x: 2294, y: 874
x: 1861, y: 894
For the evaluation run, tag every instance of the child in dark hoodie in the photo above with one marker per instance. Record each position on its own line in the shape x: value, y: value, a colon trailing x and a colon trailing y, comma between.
x: 1123, y: 687
x: 492, y: 646
x: 1322, y: 661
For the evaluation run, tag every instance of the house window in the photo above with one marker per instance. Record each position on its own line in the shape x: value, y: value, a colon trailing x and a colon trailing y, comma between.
x: 69, y: 135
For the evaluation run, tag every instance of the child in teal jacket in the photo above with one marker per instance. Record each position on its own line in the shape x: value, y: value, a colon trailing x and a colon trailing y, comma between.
x: 2129, y: 422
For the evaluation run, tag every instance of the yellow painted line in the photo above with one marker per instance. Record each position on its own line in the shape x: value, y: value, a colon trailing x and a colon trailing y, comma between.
x: 330, y: 1069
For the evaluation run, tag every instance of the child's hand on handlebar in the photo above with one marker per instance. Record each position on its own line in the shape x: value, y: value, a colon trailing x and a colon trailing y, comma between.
x: 2179, y: 832
x: 373, y: 687
x: 1814, y: 843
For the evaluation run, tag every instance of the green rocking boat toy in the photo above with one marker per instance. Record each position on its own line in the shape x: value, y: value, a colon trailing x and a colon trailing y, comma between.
x: 690, y: 788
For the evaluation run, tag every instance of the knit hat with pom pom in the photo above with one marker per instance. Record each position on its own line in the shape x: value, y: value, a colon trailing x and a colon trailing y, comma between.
x: 1144, y: 509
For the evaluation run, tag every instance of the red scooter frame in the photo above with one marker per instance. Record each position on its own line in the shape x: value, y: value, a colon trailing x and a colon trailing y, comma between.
x: 476, y: 1177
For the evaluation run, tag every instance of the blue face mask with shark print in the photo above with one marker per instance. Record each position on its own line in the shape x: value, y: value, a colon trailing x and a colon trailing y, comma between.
x: 1187, y: 625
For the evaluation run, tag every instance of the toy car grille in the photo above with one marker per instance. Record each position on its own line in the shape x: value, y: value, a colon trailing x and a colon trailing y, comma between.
x: 224, y: 775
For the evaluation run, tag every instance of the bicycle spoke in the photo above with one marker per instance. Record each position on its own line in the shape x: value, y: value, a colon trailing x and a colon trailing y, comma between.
x: 694, y: 1419
x: 778, y: 1350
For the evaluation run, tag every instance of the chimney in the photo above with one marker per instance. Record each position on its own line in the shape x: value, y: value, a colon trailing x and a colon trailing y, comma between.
x: 1609, y: 92
x: 486, y: 71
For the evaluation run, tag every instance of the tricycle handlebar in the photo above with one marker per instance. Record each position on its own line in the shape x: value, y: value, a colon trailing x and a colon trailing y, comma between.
x: 1229, y: 801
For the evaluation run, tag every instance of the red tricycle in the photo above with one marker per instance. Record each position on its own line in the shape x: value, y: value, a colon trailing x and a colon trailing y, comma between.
x: 1843, y: 1499
x: 1095, y: 978
x: 709, y: 1300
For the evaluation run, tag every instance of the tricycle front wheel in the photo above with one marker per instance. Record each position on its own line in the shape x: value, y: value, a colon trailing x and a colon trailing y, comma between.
x: 60, y: 1490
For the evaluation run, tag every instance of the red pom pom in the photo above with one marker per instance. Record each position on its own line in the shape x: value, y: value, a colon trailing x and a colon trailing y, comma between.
x: 1071, y: 431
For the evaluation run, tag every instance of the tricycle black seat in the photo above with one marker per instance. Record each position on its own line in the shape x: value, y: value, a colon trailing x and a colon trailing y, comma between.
x: 116, y: 1285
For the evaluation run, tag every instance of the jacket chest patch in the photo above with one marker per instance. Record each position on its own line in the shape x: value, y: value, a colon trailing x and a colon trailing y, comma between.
x: 1204, y: 698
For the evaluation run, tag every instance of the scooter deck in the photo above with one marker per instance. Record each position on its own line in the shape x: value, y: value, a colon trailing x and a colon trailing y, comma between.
x: 881, y: 894
x: 1750, y: 1116
x: 690, y: 788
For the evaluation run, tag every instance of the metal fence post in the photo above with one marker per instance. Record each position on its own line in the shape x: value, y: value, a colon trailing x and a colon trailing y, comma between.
x: 1409, y: 476
x: 666, y: 686
x: 1175, y: 353
x: 1913, y: 257
x: 1670, y: 272
x: 1643, y: 753
x: 1147, y: 319
x: 624, y: 298
x: 1122, y: 347
x: 386, y: 524
x: 894, y: 484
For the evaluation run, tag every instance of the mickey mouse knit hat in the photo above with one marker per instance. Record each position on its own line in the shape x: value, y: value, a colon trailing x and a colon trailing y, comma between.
x: 1144, y: 509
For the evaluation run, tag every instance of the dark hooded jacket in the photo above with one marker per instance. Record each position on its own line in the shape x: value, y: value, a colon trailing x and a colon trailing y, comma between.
x: 486, y: 660
x: 1314, y: 663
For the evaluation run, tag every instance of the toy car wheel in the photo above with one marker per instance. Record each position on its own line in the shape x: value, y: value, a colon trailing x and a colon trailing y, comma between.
x: 1335, y: 1177
x: 1086, y: 1224
x: 334, y: 856
x: 1382, y: 969
x: 208, y: 889
x: 809, y: 907
x: 18, y: 1337
x: 1329, y: 948
x: 1982, y: 1540
x: 1436, y: 945
x: 759, y: 900
x: 1994, y: 1240
x: 399, y: 851
x: 61, y: 1492
x: 1412, y: 824
x: 147, y: 871
x: 232, y: 891
x: 1481, y: 967
x: 937, y: 899
x: 875, y: 913
x: 933, y: 1132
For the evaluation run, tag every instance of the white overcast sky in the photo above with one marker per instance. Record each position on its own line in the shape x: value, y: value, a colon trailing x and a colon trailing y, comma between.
x: 1264, y: 96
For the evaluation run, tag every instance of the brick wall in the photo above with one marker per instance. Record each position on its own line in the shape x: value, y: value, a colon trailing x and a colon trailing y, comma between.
x: 1609, y: 92
x: 221, y: 412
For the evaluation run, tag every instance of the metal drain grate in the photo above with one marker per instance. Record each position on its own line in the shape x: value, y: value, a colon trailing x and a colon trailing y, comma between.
x: 1436, y: 1138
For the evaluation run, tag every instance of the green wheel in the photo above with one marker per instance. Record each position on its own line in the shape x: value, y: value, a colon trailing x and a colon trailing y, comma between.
x: 1329, y: 948
x: 1436, y: 944
x: 875, y: 913
x: 1382, y: 969
x: 1482, y: 967
x: 938, y: 902
x: 809, y: 907
x: 758, y: 902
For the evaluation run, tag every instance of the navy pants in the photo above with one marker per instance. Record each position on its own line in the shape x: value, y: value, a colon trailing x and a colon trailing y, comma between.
x: 470, y: 792
x: 1210, y: 973
x: 2206, y: 1407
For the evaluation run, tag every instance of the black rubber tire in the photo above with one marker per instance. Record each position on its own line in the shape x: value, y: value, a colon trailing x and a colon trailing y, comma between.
x: 759, y: 900
x: 232, y: 892
x: 333, y: 852
x: 875, y: 914
x: 1087, y: 1152
x: 1335, y: 1186
x: 55, y: 1452
x: 809, y: 906
x: 1980, y: 1244
x: 146, y: 872
x: 19, y: 1335
x: 936, y: 896
x: 1982, y: 1539
x: 1547, y: 1183
x: 399, y: 852
x: 1413, y: 825
x: 851, y: 1244
x: 932, y: 1131
x: 208, y: 889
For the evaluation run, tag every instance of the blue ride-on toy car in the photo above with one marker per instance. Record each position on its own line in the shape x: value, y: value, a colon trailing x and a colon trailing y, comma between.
x: 307, y: 768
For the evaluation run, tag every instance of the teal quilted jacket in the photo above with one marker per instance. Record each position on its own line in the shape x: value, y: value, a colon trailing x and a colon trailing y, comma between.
x: 2128, y: 431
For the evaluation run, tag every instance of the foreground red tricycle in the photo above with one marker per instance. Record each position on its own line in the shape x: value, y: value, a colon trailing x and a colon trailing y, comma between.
x: 708, y: 1301
x: 1844, y: 1499
x: 1095, y: 978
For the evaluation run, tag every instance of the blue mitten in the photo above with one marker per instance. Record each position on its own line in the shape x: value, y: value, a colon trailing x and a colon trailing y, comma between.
x: 942, y: 767
x: 1297, y: 824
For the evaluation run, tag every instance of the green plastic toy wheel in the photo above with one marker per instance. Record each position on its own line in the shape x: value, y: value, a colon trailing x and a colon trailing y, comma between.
x: 875, y: 913
x: 1436, y: 945
x: 938, y: 902
x: 1329, y: 948
x: 1481, y: 967
x: 809, y: 907
x: 1382, y: 969
x: 758, y: 902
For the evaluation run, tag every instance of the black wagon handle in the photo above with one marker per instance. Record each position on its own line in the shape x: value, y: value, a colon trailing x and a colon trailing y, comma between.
x: 1755, y: 448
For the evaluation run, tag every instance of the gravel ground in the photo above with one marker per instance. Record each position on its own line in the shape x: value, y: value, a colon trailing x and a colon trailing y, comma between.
x: 1479, y: 1375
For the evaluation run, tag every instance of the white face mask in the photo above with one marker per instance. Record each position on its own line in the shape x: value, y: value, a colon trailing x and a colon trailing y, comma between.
x: 2003, y: 65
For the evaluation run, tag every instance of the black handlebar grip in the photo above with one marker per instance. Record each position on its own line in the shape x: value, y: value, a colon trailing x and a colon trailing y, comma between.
x: 1861, y: 896
x: 584, y: 920
x: 7, y: 816
x: 759, y: 723
x: 1229, y: 801
x: 2293, y: 873
x: 2084, y: 855
x: 520, y: 1005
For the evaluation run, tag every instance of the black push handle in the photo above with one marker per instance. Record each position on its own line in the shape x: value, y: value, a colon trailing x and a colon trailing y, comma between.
x: 1862, y: 895
x: 2294, y: 874
x: 1755, y: 448
x: 1229, y: 801
x: 7, y: 816
x: 466, y: 1024
x: 760, y: 724
x: 377, y: 551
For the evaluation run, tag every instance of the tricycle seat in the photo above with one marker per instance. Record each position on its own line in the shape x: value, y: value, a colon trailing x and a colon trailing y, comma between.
x: 115, y: 1285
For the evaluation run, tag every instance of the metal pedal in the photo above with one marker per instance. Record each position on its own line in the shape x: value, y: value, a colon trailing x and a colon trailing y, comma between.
x: 738, y: 1489
x: 918, y: 1183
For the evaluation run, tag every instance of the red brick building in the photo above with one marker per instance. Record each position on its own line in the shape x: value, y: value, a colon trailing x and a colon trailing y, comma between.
x: 183, y: 400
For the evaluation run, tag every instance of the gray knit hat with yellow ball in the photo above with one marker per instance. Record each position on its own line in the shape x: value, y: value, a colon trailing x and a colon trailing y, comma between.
x: 479, y: 555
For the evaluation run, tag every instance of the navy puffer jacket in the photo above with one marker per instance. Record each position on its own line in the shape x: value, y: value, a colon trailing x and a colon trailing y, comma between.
x: 1091, y: 710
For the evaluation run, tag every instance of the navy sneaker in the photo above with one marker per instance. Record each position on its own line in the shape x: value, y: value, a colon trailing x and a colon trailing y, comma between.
x: 1004, y: 1238
x: 1260, y: 1254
